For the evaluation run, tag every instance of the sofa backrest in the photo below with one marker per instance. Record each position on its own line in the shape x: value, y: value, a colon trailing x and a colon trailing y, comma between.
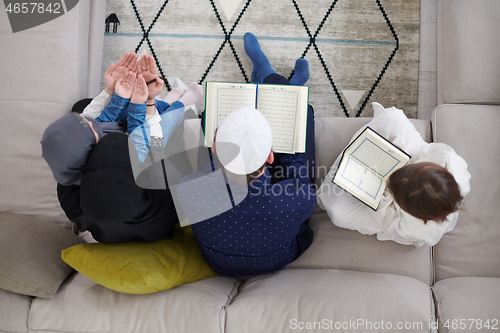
x: 472, y: 248
x: 468, y: 78
x: 468, y: 51
x: 44, y: 72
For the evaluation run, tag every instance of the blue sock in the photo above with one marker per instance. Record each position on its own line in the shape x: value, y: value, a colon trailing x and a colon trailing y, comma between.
x: 300, y: 73
x: 261, y: 66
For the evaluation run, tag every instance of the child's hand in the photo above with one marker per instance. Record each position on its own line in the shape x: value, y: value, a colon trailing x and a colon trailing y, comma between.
x: 155, y: 88
x: 110, y: 78
x: 147, y: 68
x: 125, y: 85
x: 140, y: 93
x: 127, y: 63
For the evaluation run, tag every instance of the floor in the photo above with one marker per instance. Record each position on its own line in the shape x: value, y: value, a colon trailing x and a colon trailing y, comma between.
x: 349, y: 57
x: 427, y: 86
x: 427, y: 65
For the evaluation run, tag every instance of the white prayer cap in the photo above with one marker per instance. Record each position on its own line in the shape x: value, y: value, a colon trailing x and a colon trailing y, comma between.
x: 244, y: 140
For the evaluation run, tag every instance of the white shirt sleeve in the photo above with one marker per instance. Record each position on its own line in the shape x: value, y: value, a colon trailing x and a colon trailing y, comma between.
x: 95, y: 108
x: 154, y: 124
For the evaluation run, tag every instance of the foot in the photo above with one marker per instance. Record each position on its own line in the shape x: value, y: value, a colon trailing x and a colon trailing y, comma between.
x: 174, y: 95
x: 300, y: 72
x: 261, y: 66
x: 192, y: 95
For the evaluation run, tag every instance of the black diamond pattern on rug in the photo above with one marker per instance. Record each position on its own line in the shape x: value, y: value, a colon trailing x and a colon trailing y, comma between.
x: 317, y: 40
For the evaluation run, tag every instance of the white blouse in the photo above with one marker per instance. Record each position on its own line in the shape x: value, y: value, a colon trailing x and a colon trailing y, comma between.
x: 389, y: 221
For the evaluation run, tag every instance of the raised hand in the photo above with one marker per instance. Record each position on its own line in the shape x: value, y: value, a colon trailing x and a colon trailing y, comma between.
x: 125, y: 85
x: 127, y: 63
x: 155, y: 88
x: 140, y: 93
x: 147, y: 68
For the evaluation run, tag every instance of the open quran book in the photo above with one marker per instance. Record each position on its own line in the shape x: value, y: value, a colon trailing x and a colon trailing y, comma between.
x: 284, y: 106
x: 366, y: 164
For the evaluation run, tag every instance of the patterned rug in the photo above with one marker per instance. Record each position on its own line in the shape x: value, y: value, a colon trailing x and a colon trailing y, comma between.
x: 359, y: 51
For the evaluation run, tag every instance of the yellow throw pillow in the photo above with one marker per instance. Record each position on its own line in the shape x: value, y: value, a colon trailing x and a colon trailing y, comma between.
x: 141, y: 267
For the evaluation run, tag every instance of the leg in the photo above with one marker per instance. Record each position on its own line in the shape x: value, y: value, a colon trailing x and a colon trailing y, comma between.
x: 300, y: 72
x: 274, y: 78
x: 263, y: 73
x: 262, y: 68
x: 304, y: 239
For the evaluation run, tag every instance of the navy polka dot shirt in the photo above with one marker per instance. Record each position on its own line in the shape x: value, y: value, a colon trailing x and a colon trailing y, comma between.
x: 259, y: 233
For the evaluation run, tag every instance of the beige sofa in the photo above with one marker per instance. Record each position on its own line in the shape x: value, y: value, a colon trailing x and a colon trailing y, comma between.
x: 345, y: 282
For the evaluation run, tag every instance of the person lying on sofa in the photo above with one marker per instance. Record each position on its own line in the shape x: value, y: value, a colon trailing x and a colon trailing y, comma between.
x: 422, y: 199
x: 269, y: 227
x: 108, y: 203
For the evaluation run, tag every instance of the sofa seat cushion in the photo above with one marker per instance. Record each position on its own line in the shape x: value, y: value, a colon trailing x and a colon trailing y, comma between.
x: 338, y: 248
x: 472, y: 248
x: 30, y: 255
x: 468, y: 304
x: 14, y: 312
x: 313, y: 300
x: 468, y: 63
x: 81, y: 305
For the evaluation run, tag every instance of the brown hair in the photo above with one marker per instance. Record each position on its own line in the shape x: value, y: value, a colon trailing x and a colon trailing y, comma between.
x: 425, y: 190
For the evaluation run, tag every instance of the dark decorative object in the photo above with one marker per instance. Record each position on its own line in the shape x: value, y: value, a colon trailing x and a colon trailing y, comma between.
x: 112, y: 18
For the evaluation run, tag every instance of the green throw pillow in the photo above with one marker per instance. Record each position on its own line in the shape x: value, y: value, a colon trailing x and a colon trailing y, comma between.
x: 30, y: 255
x: 141, y: 267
